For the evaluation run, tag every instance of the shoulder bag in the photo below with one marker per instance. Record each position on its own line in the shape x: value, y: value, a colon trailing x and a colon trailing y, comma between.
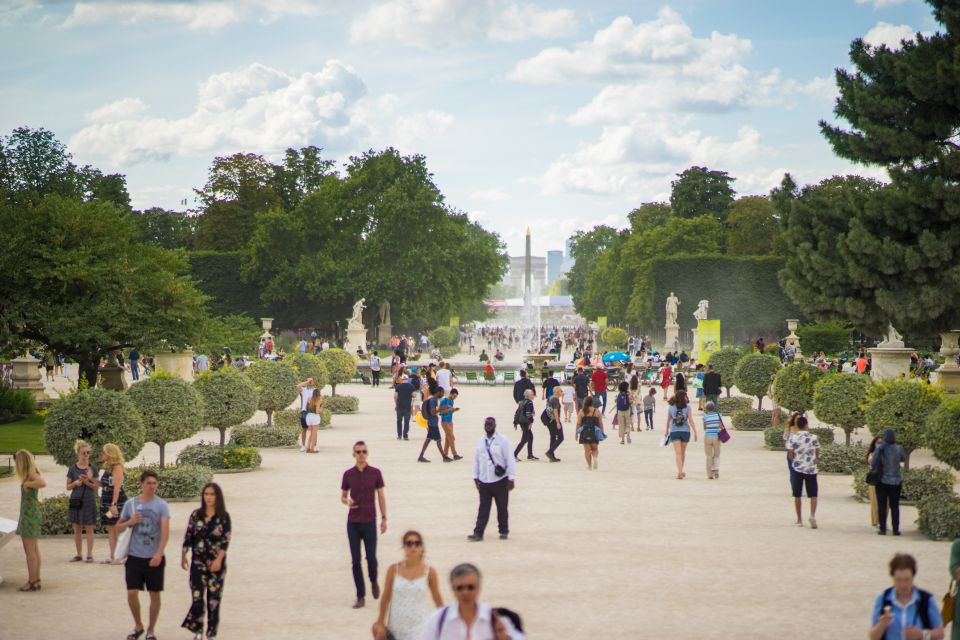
x: 949, y: 602
x: 76, y: 504
x: 498, y: 470
x: 874, y: 475
x: 723, y: 435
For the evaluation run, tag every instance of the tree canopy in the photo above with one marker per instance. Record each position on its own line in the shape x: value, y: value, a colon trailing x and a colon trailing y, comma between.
x: 698, y: 191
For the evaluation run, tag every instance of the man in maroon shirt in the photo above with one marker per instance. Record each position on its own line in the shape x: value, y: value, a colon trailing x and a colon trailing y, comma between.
x: 359, y: 485
x: 599, y: 383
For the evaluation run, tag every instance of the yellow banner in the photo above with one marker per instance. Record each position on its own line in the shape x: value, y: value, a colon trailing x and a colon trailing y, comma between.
x: 708, y: 338
x: 602, y: 322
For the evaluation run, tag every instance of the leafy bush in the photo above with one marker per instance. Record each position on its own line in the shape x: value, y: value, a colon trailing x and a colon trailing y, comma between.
x: 751, y: 420
x: 98, y: 416
x: 171, y: 409
x: 614, y: 337
x: 276, y: 384
x: 239, y: 333
x: 229, y: 398
x: 839, y: 399
x: 179, y: 481
x: 54, y: 519
x: 837, y: 458
x: 307, y: 365
x: 449, y: 352
x: 773, y: 438
x: 793, y: 388
x: 340, y: 367
x: 444, y: 337
x: 264, y: 437
x: 291, y: 417
x: 753, y: 374
x: 903, y: 405
x: 772, y: 349
x: 341, y: 404
x: 824, y: 434
x: 939, y: 516
x: 733, y: 404
x: 217, y: 458
x: 15, y: 402
x: 829, y: 337
x: 917, y: 483
x: 943, y: 432
x: 725, y: 362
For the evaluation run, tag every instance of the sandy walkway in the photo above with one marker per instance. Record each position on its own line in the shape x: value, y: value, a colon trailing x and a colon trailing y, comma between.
x: 625, y: 552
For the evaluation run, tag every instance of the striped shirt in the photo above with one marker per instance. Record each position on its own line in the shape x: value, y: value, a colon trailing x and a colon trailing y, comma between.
x: 711, y: 425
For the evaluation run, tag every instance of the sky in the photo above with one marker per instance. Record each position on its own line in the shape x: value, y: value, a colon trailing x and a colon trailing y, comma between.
x: 553, y: 115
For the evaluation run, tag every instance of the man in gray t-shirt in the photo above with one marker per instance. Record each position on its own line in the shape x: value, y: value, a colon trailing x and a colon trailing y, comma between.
x: 148, y: 518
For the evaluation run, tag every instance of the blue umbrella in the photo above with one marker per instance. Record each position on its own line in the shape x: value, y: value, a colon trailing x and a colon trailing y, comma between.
x: 616, y: 356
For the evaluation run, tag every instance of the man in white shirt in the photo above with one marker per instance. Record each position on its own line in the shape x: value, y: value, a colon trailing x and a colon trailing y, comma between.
x: 375, y: 368
x: 305, y: 390
x: 203, y: 362
x: 468, y: 618
x: 445, y: 377
x: 494, y: 470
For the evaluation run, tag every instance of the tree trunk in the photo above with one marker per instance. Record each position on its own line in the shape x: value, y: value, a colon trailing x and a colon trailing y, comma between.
x: 847, y: 434
x: 759, y: 403
x: 270, y: 417
x: 161, y: 456
x: 88, y: 365
x: 906, y: 463
x: 223, y: 435
x: 333, y: 389
x: 728, y: 391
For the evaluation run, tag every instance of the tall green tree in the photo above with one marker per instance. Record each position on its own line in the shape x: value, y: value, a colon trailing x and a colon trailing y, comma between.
x: 649, y: 214
x: 898, y: 248
x: 586, y: 247
x: 752, y: 227
x: 168, y: 229
x: 699, y: 191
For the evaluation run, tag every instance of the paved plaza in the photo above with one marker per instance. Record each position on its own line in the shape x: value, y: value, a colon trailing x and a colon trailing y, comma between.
x: 624, y: 552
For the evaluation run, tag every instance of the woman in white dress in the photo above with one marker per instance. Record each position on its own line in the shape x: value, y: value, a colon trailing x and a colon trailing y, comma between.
x: 405, y: 594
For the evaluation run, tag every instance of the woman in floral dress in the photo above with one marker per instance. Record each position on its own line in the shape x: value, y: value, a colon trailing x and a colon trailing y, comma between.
x: 30, y: 517
x: 207, y: 537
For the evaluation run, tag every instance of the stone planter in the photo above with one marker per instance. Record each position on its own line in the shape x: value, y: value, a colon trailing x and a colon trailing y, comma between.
x: 179, y: 364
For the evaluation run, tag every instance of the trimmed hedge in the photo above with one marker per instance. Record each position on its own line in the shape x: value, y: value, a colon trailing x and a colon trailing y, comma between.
x: 824, y: 434
x: 838, y: 458
x: 917, y: 483
x: 54, y: 520
x: 735, y: 404
x: 264, y: 437
x: 276, y: 384
x: 181, y: 481
x: 171, y: 408
x: 943, y: 432
x: 341, y: 404
x: 939, y: 516
x: 614, y: 337
x: 218, y: 275
x: 307, y: 365
x: 449, y: 352
x: 829, y: 337
x: 905, y: 406
x: 751, y: 420
x: 839, y: 399
x: 773, y: 438
x: 229, y: 398
x: 98, y: 416
x: 753, y: 375
x: 219, y: 458
x: 444, y: 337
x: 291, y: 417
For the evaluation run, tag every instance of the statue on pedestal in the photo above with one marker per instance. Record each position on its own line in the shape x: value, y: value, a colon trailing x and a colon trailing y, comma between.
x: 385, y: 313
x: 672, y: 304
x: 356, y: 321
x: 702, y: 309
x: 893, y: 340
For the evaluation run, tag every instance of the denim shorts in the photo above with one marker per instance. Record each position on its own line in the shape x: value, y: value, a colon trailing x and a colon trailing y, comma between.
x: 679, y: 436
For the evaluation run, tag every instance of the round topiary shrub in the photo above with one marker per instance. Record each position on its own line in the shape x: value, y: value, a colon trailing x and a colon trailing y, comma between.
x: 54, y: 520
x: 836, y: 458
x: 943, y: 432
x: 229, y: 398
x: 276, y: 384
x: 444, y: 337
x: 341, y: 404
x: 307, y: 365
x: 839, y: 399
x: 170, y: 407
x: 175, y: 482
x: 939, y: 517
x: 773, y: 438
x: 220, y: 458
x: 824, y: 435
x: 917, y: 483
x: 725, y: 362
x: 97, y: 416
x: 614, y: 337
x: 264, y: 437
x: 734, y: 404
x: 291, y: 418
x: 753, y: 374
x: 793, y: 388
x: 340, y: 367
x: 903, y: 405
x: 751, y: 420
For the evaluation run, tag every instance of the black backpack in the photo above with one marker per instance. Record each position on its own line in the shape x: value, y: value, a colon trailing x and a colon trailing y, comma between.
x: 425, y: 409
x: 922, y: 610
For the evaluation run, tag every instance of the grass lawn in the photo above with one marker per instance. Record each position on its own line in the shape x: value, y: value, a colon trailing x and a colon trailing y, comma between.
x: 23, y: 434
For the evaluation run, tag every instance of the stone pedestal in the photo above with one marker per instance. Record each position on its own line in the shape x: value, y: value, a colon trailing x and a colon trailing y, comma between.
x: 695, y: 351
x: 179, y: 364
x: 356, y: 337
x: 384, y: 333
x: 26, y: 377
x: 671, y: 341
x: 949, y: 373
x: 792, y: 327
x: 111, y: 377
x: 889, y: 362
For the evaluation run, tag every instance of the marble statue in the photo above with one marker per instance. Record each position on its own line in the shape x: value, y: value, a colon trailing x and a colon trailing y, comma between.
x: 893, y: 340
x: 356, y: 321
x: 672, y: 303
x: 385, y: 313
x: 702, y: 309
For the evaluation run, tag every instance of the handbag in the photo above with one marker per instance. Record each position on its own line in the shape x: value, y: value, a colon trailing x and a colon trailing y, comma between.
x: 498, y: 470
x: 874, y: 475
x: 76, y: 504
x: 123, y: 544
x: 723, y: 435
x: 949, y: 601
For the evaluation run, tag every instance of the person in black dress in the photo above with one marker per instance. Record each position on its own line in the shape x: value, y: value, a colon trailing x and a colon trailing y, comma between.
x: 112, y: 495
x: 82, y: 483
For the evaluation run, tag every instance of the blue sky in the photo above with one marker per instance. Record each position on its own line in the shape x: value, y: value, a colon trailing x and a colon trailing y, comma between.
x: 557, y: 115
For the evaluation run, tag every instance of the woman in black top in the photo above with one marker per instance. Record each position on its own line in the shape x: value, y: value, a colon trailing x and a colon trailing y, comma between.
x: 82, y: 482
x: 207, y: 537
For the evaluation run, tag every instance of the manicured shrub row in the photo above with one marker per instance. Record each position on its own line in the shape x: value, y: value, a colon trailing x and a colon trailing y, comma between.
x: 219, y: 458
x: 917, y: 483
x: 175, y: 481
x: 751, y: 420
x: 264, y: 437
x: 838, y: 458
x: 735, y: 404
x: 341, y: 404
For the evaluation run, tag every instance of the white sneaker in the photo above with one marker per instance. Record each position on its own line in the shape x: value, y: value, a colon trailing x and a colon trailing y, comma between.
x: 596, y: 464
x: 302, y: 449
x: 813, y: 523
x: 799, y: 523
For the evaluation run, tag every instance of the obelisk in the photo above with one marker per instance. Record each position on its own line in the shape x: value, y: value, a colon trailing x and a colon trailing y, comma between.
x: 527, y: 283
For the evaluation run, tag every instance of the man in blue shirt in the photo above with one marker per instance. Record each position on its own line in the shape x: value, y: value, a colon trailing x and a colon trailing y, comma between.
x: 904, y: 612
x: 403, y: 403
x: 432, y: 414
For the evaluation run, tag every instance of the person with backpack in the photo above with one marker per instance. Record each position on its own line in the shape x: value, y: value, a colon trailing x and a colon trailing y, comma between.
x: 551, y: 418
x: 590, y: 431
x: 624, y: 419
x: 523, y: 417
x: 885, y: 466
x: 680, y: 424
x: 431, y: 411
x: 469, y: 618
x: 903, y: 610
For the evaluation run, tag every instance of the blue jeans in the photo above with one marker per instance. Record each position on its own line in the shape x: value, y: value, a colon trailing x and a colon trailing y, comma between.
x: 134, y: 369
x: 597, y: 397
x: 403, y: 422
x: 648, y: 417
x: 367, y: 533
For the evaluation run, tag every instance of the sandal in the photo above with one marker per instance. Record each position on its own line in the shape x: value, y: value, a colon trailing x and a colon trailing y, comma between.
x: 30, y: 586
x: 150, y: 636
x: 106, y: 561
x: 76, y: 559
x: 135, y: 635
x: 89, y: 559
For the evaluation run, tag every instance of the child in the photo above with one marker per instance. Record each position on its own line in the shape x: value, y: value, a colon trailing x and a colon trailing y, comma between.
x: 649, y: 406
x: 568, y: 399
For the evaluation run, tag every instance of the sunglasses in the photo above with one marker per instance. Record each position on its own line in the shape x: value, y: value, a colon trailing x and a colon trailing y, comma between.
x: 413, y: 543
x: 465, y: 587
x: 361, y: 452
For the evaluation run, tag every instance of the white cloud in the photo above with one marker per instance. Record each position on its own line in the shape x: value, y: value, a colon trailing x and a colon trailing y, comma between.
x: 13, y: 10
x: 438, y: 23
x: 880, y: 4
x: 209, y: 15
x: 890, y: 35
x: 490, y: 195
x: 262, y: 110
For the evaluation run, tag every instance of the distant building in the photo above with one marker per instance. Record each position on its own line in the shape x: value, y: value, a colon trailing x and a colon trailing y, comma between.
x: 554, y: 266
x: 513, y: 279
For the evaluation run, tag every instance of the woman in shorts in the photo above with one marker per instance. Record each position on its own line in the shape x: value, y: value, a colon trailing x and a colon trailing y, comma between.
x: 314, y: 405
x: 590, y: 432
x: 568, y: 399
x: 680, y: 424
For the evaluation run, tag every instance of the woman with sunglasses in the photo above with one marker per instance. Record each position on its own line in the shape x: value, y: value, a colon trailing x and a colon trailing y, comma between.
x: 405, y: 594
x: 83, y: 480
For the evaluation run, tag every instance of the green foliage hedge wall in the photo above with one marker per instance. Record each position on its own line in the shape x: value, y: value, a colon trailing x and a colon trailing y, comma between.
x: 217, y: 274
